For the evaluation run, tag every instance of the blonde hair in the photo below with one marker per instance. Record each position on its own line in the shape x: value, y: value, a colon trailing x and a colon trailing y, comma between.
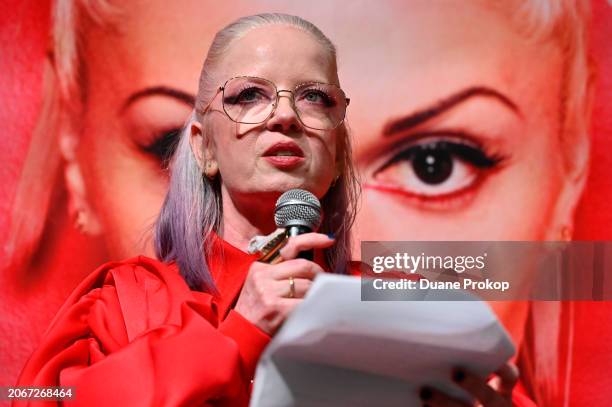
x: 546, y: 358
x: 567, y: 23
x: 56, y: 132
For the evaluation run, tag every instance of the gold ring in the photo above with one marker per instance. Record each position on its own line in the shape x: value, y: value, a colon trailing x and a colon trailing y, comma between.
x: 291, y: 288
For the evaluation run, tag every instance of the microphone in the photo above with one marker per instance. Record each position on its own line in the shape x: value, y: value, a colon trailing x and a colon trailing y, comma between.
x: 298, y: 211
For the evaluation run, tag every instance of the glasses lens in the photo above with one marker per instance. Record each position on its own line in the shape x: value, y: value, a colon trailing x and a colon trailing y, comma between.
x: 320, y: 106
x: 248, y: 100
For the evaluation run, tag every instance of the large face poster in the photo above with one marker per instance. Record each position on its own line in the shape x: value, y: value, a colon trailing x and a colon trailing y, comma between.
x: 468, y: 120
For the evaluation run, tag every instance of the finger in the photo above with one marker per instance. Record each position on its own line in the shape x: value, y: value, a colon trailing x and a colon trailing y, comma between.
x: 508, y: 375
x: 286, y: 305
x: 300, y: 287
x: 431, y: 397
x: 477, y: 387
x: 283, y: 308
x: 307, y: 241
x: 296, y: 268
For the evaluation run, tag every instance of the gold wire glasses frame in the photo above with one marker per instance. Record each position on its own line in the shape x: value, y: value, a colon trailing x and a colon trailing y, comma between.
x: 335, y: 114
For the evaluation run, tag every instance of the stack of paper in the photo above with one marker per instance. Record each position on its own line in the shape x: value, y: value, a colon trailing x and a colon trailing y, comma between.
x: 336, y: 350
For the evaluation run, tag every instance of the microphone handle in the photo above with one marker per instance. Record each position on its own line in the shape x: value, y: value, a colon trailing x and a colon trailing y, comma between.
x: 300, y: 230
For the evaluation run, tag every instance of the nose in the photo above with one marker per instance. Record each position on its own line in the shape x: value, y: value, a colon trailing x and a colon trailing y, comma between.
x: 284, y: 119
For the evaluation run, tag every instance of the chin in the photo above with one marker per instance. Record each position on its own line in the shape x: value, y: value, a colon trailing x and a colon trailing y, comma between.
x: 283, y: 182
x: 286, y: 186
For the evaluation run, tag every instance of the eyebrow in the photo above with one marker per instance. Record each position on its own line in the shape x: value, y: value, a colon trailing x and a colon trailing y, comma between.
x: 176, y: 94
x: 421, y: 116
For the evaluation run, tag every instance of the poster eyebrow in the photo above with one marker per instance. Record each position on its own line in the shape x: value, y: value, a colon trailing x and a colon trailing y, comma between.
x: 179, y: 95
x: 421, y: 116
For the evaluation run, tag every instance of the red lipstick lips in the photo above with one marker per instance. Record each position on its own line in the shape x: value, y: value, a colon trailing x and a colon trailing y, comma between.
x: 284, y: 155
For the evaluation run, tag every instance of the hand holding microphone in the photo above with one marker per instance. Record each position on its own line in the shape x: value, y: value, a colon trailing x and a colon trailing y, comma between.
x: 297, y: 212
x: 275, y: 285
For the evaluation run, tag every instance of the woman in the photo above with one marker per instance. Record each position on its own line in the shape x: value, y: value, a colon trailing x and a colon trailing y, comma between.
x: 268, y: 117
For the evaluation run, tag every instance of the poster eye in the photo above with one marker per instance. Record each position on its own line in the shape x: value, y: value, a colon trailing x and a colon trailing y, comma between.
x: 164, y: 145
x: 435, y: 168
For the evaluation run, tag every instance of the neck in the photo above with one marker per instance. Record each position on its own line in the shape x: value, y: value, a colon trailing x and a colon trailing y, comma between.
x: 246, y: 216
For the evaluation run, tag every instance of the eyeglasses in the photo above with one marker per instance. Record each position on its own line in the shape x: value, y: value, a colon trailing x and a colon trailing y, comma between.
x: 252, y: 100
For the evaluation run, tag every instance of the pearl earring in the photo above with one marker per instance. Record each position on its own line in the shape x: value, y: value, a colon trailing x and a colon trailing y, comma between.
x: 210, y: 170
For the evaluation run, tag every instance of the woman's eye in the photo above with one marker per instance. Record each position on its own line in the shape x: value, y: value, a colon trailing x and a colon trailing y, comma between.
x: 317, y: 96
x: 435, y: 168
x: 164, y: 145
x: 250, y: 95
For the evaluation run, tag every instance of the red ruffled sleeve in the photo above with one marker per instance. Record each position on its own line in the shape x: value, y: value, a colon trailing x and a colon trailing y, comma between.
x: 134, y: 334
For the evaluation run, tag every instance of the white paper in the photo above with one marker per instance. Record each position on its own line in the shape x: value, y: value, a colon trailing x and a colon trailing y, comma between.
x: 336, y: 350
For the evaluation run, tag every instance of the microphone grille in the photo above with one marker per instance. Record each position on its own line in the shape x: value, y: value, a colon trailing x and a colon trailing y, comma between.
x: 298, y: 207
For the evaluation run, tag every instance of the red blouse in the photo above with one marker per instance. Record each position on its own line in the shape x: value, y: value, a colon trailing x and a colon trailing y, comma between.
x: 133, y: 333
